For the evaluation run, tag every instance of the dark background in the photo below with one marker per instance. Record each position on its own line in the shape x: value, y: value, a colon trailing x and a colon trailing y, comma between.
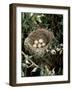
x: 52, y: 22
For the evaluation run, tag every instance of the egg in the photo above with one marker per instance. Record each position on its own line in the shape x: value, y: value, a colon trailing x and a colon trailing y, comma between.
x: 40, y: 40
x: 36, y: 42
x: 39, y: 45
x: 34, y: 45
x: 43, y: 44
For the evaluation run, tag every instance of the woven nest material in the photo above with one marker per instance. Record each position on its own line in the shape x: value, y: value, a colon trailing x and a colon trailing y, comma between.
x: 43, y: 34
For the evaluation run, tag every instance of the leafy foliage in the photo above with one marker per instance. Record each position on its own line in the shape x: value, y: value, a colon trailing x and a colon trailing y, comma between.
x: 52, y: 22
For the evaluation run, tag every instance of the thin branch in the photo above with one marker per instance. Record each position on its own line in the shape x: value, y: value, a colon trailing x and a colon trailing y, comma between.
x: 32, y: 63
x: 23, y: 53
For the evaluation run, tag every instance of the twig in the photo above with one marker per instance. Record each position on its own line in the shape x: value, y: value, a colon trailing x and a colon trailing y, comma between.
x: 24, y: 54
x: 33, y: 63
x: 29, y: 59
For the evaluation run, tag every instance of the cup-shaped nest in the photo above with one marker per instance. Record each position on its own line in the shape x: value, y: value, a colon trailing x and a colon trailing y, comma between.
x: 37, y: 42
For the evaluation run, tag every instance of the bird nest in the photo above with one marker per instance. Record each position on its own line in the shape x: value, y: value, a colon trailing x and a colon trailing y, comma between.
x: 37, y: 42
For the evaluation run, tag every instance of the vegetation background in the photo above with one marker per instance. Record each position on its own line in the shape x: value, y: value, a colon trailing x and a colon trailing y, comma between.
x: 52, y: 22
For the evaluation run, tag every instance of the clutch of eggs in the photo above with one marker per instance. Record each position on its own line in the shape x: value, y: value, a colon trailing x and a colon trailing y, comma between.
x: 39, y: 43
